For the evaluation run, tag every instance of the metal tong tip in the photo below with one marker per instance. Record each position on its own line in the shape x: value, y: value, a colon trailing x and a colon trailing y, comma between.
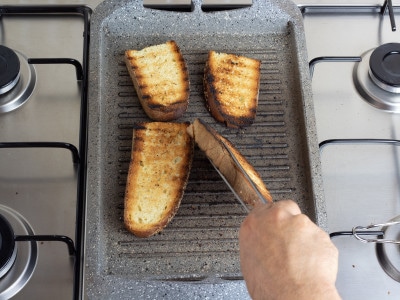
x: 358, y: 230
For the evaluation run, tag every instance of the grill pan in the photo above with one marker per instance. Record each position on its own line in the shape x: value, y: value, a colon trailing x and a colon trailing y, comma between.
x: 197, y: 254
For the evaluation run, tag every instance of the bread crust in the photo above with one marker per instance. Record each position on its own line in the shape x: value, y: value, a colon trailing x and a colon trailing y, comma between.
x: 161, y: 160
x: 161, y: 80
x: 212, y: 144
x: 231, y: 86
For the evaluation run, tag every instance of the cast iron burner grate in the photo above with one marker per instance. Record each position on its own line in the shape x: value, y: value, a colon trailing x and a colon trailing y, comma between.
x: 386, y: 240
x: 19, y: 251
x: 376, y: 75
x: 14, y: 98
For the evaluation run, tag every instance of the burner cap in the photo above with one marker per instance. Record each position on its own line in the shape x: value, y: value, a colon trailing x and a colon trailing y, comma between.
x: 7, y: 246
x: 9, y: 69
x: 384, y: 64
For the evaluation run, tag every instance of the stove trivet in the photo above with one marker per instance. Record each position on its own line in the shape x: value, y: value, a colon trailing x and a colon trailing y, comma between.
x: 9, y: 69
x: 25, y: 262
x: 8, y: 251
x: 17, y: 80
x: 387, y: 242
x: 379, y: 83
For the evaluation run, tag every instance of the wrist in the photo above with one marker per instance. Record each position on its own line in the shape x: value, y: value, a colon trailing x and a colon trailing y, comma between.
x: 321, y: 291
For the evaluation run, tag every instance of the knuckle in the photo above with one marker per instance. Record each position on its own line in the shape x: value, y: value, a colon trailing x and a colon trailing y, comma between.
x: 290, y: 206
x: 291, y: 203
x: 302, y: 221
x: 277, y: 215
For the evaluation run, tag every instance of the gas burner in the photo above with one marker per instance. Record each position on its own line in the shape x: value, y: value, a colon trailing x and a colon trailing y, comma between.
x: 20, y: 258
x: 8, y: 251
x: 388, y: 253
x: 384, y: 67
x: 377, y: 77
x: 17, y: 79
x: 9, y: 69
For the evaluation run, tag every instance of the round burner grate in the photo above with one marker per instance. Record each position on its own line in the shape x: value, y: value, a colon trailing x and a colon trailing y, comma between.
x: 9, y: 69
x: 8, y: 250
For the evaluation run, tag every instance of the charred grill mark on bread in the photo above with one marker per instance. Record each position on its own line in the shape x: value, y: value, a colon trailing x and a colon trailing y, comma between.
x: 231, y: 86
x: 160, y: 164
x: 161, y: 80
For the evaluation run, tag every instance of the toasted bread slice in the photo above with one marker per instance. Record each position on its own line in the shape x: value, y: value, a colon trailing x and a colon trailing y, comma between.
x: 231, y: 86
x: 212, y: 144
x: 161, y: 159
x: 161, y: 80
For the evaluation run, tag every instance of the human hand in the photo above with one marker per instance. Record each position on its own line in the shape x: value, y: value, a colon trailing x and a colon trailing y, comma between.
x: 284, y: 255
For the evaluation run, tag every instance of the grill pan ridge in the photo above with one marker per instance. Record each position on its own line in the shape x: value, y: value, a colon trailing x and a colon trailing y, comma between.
x: 200, y: 245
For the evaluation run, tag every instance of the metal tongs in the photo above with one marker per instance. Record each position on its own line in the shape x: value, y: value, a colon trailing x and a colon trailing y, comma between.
x: 247, y: 177
x: 359, y: 232
x: 380, y: 244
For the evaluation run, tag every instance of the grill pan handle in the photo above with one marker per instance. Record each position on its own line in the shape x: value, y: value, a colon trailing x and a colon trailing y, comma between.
x: 188, y: 6
x: 170, y: 5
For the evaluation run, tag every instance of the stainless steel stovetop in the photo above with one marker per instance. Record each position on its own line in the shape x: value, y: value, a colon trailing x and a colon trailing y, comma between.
x: 361, y: 179
x: 40, y: 183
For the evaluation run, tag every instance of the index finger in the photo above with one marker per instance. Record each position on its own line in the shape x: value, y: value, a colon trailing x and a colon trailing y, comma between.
x: 289, y: 206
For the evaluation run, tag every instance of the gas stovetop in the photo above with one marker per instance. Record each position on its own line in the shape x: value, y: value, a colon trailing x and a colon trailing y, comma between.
x: 358, y: 125
x: 359, y: 136
x: 42, y: 154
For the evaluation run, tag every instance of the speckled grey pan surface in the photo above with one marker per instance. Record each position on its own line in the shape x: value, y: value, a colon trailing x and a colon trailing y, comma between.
x: 197, y: 255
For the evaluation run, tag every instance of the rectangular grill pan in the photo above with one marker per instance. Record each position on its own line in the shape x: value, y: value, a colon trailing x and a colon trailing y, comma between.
x: 197, y: 254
